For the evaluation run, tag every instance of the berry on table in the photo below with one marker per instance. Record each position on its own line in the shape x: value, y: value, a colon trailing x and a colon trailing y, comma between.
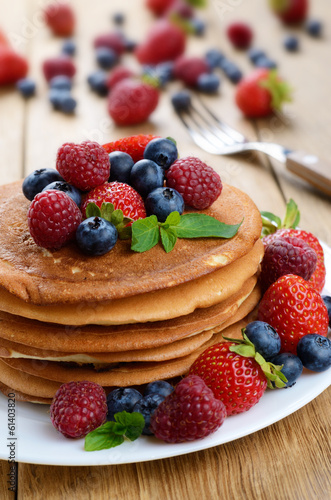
x: 163, y: 151
x: 122, y: 399
x: 60, y: 18
x: 255, y: 53
x: 63, y: 186
x: 231, y: 71
x: 106, y: 58
x: 189, y: 68
x: 98, y: 83
x: 162, y: 201
x: 35, y: 182
x: 198, y: 183
x: 68, y: 47
x: 292, y: 366
x: 314, y: 27
x: 158, y: 7
x: 146, y: 406
x: 327, y: 302
x: 214, y: 58
x: 53, y: 218
x: 113, y: 40
x: 59, y: 65
x: 240, y: 35
x: 13, y: 67
x: 60, y: 82
x: 181, y: 100
x: 266, y: 62
x: 146, y: 175
x: 190, y: 412
x: 290, y: 11
x: 133, y: 145
x: 264, y: 337
x: 315, y: 352
x: 118, y: 18
x: 208, y: 83
x: 291, y: 43
x: 78, y: 408
x: 96, y: 236
x: 120, y: 166
x: 198, y: 26
x: 84, y: 165
x: 161, y: 387
x: 26, y: 87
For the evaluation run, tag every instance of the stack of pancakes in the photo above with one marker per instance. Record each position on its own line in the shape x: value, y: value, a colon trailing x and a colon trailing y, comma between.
x: 124, y: 318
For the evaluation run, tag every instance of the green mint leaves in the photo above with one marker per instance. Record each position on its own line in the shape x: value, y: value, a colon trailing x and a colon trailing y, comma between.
x: 146, y: 233
x: 272, y: 222
x: 111, y: 434
x: 116, y: 217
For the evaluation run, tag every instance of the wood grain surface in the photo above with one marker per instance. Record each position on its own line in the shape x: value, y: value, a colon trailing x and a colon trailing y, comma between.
x: 291, y: 458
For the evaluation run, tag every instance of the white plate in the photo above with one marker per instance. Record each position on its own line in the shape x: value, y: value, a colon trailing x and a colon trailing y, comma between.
x: 38, y: 442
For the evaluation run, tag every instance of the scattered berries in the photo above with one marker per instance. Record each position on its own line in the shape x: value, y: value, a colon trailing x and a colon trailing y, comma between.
x: 117, y: 74
x: 198, y: 183
x: 13, y: 67
x: 265, y: 338
x: 240, y: 35
x: 181, y: 100
x: 314, y: 27
x: 53, y: 218
x: 26, y: 87
x: 189, y: 68
x: 190, y: 412
x: 106, y: 58
x: 35, y: 182
x: 315, y: 352
x: 146, y: 175
x: 98, y: 83
x: 96, y: 236
x: 120, y: 166
x: 163, y: 151
x: 60, y: 18
x: 84, y: 165
x: 291, y: 43
x: 162, y: 201
x: 59, y: 65
x: 78, y: 408
x: 133, y: 145
x: 208, y: 83
x: 158, y: 7
x: 113, y: 40
x: 290, y: 11
x: 291, y: 366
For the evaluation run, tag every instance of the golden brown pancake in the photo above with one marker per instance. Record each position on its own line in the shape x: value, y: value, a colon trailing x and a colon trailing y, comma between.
x: 26, y: 398
x: 64, y: 276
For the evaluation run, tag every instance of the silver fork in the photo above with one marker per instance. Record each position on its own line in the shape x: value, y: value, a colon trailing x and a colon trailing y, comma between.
x: 216, y: 137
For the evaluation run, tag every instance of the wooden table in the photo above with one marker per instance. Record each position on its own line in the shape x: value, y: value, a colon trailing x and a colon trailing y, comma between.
x: 290, y: 459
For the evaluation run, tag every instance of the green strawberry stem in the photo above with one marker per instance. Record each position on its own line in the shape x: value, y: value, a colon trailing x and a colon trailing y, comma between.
x: 271, y: 223
x: 280, y: 91
x: 116, y: 217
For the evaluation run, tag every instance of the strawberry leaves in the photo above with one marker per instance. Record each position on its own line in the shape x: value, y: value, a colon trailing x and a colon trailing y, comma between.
x: 116, y: 217
x: 272, y: 222
x: 280, y: 90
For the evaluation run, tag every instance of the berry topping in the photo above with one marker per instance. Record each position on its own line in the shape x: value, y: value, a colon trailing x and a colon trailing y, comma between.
x: 133, y: 145
x: 161, y: 387
x: 198, y: 183
x: 78, y: 408
x: 122, y: 399
x: 146, y: 406
x: 315, y: 352
x: 71, y: 191
x: 53, y: 218
x: 146, y: 175
x: 265, y: 338
x: 96, y: 236
x: 84, y: 165
x: 120, y: 166
x: 35, y: 182
x: 162, y: 201
x: 163, y: 151
x: 190, y: 412
x: 291, y: 366
x: 240, y: 35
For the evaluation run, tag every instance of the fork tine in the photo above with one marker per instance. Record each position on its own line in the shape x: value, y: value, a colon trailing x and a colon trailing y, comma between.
x: 216, y: 131
x: 199, y: 139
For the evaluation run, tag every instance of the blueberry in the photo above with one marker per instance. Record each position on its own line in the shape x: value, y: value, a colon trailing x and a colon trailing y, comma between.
x: 162, y: 201
x: 314, y: 350
x: 255, y: 54
x: 120, y: 166
x: 198, y: 26
x: 129, y: 45
x: 106, y: 57
x: 70, y: 190
x: 292, y: 366
x: 208, y: 83
x: 96, y: 236
x: 314, y: 27
x: 146, y: 406
x: 146, y: 175
x: 118, y: 18
x: 164, y: 72
x: 68, y: 47
x: 265, y: 62
x: 35, y: 182
x: 62, y: 100
x: 26, y: 87
x: 122, y: 399
x: 327, y: 302
x: 181, y: 100
x: 60, y: 82
x: 291, y: 43
x: 231, y: 70
x: 160, y: 387
x: 264, y: 337
x: 214, y: 58
x: 163, y: 151
x: 98, y: 82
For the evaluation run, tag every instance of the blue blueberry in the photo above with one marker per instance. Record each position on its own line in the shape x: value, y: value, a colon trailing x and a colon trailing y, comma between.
x: 160, y: 387
x: 146, y: 175
x: 68, y: 47
x: 264, y: 337
x: 265, y: 62
x: 106, y: 57
x: 26, y: 87
x: 181, y: 100
x: 314, y: 350
x: 98, y: 83
x: 214, y: 58
x: 146, y: 406
x: 60, y: 82
x: 35, y: 182
x: 120, y: 166
x: 163, y: 151
x: 314, y: 27
x: 62, y: 100
x: 70, y: 190
x: 291, y: 43
x: 122, y: 399
x: 231, y: 70
x: 292, y: 366
x: 162, y: 201
x: 198, y: 26
x: 165, y: 72
x: 327, y: 302
x: 118, y: 18
x: 254, y: 54
x: 129, y: 45
x: 96, y: 236
x: 208, y: 83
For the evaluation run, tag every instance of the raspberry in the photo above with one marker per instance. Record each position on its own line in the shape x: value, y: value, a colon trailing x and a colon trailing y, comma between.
x: 198, y: 183
x: 113, y: 40
x: 60, y: 18
x: 53, y: 218
x: 84, y: 165
x: 133, y: 145
x: 190, y: 412
x: 240, y: 35
x: 189, y: 68
x: 121, y: 195
x: 78, y: 408
x: 59, y: 65
x: 287, y: 255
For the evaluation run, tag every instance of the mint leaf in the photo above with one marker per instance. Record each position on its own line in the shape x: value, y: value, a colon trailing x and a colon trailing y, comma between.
x: 92, y: 210
x: 173, y: 219
x: 270, y: 218
x: 168, y: 238
x: 133, y: 422
x: 197, y: 225
x: 145, y: 234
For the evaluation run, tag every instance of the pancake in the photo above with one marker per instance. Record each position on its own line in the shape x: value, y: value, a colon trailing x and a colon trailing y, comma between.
x: 26, y: 398
x: 154, y: 306
x: 41, y: 277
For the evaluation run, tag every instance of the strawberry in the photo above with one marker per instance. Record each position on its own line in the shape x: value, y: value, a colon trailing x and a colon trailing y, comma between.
x: 13, y: 67
x: 164, y: 42
x: 261, y: 93
x: 133, y: 145
x: 294, y: 309
x: 132, y: 101
x: 290, y: 11
x: 158, y: 7
x: 60, y: 18
x: 3, y: 39
x: 117, y: 74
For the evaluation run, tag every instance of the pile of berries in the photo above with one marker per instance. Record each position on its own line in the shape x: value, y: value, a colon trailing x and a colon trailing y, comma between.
x: 139, y: 175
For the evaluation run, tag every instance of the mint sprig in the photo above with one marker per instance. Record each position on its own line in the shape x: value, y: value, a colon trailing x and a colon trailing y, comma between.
x: 146, y: 233
x: 116, y: 217
x: 111, y: 434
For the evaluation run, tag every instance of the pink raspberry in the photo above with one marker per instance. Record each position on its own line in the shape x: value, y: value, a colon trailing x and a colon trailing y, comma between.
x: 240, y: 35
x: 189, y: 68
x: 53, y: 218
x: 78, y: 408
x: 198, y: 183
x: 59, y: 65
x: 190, y: 412
x: 84, y: 165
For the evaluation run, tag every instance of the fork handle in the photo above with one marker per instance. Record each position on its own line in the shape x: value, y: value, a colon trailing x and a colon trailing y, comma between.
x: 311, y: 169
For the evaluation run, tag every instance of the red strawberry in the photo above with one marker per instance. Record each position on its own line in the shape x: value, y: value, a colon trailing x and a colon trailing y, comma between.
x: 132, y: 101
x: 118, y: 74
x: 189, y: 68
x: 13, y: 67
x: 121, y: 195
x: 59, y: 65
x: 113, y: 40
x: 261, y: 93
x: 60, y: 18
x: 3, y: 39
x: 294, y: 309
x: 164, y: 42
x: 290, y: 11
x: 240, y: 35
x: 133, y: 145
x: 158, y: 7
